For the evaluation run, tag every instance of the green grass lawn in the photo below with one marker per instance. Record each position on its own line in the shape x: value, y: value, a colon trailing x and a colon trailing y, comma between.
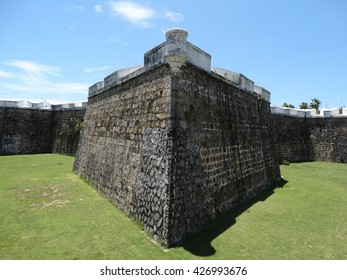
x: 48, y: 212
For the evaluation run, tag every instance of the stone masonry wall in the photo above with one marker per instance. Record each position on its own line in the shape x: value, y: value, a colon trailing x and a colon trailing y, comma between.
x: 292, y: 137
x: 124, y: 149
x: 310, y: 139
x: 25, y: 131
x: 67, y: 125
x: 173, y: 149
x: 223, y: 151
x: 329, y: 139
x: 32, y: 131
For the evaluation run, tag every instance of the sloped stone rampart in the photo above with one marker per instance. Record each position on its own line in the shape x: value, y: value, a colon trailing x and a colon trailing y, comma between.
x: 124, y: 149
x: 175, y: 148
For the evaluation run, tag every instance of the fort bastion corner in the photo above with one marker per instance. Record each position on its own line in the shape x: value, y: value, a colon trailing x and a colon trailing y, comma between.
x: 173, y: 142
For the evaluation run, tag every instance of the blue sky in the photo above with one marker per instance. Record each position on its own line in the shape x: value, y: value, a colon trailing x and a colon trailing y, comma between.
x: 55, y: 50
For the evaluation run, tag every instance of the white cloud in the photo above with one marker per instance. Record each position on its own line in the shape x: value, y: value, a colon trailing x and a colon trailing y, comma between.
x: 174, y: 17
x: 78, y: 7
x: 35, y: 78
x: 98, y: 9
x: 5, y: 74
x: 134, y: 13
x: 34, y: 67
x: 96, y: 69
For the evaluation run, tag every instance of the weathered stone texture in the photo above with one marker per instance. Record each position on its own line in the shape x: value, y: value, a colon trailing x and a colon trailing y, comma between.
x: 30, y: 131
x: 124, y: 147
x: 223, y: 149
x: 24, y: 131
x: 67, y: 125
x: 329, y: 139
x: 292, y: 137
x: 310, y: 139
x: 173, y: 149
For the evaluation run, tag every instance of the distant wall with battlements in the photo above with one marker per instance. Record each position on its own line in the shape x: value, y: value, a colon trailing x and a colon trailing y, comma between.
x: 302, y: 135
x: 32, y: 128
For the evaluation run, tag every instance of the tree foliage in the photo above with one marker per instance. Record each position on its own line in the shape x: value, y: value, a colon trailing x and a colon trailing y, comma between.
x: 304, y: 105
x: 288, y: 105
x: 315, y: 103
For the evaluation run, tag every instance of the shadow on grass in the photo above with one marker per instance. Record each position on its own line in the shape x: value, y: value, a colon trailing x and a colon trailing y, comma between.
x: 199, y: 244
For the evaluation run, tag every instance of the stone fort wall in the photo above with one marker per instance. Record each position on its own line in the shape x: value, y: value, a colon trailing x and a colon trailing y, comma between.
x: 125, y: 149
x: 36, y: 130
x: 174, y: 144
x: 223, y: 151
x: 297, y: 138
x: 310, y: 138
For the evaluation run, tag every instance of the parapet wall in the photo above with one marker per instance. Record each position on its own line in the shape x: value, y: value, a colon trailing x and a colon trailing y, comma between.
x: 24, y: 104
x: 308, y: 113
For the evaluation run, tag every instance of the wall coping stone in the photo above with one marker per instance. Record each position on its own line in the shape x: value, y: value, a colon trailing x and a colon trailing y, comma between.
x: 308, y: 113
x: 24, y: 104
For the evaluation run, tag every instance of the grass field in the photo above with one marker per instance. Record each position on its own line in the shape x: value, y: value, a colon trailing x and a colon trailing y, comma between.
x: 48, y: 212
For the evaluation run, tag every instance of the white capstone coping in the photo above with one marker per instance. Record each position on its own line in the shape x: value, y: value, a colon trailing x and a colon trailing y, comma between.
x: 279, y: 110
x: 39, y: 105
x: 293, y: 112
x: 308, y: 113
x: 176, y: 41
x: 96, y: 88
x: 236, y: 78
x: 262, y: 92
x: 287, y: 111
x: 155, y: 56
x: 330, y: 112
x: 176, y: 44
x: 70, y: 106
x: 198, y: 57
x: 24, y: 104
x: 8, y: 104
x: 301, y: 114
x: 118, y: 75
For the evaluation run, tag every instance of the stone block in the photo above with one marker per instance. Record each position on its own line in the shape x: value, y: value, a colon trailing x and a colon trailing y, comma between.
x: 24, y: 104
x: 8, y: 104
x: 68, y: 106
x: 236, y: 78
x: 96, y: 88
x: 330, y: 112
x: 262, y: 92
x: 39, y: 105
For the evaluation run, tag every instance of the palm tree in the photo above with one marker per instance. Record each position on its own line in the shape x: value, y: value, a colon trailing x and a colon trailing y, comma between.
x: 288, y: 105
x: 315, y: 103
x: 304, y: 105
